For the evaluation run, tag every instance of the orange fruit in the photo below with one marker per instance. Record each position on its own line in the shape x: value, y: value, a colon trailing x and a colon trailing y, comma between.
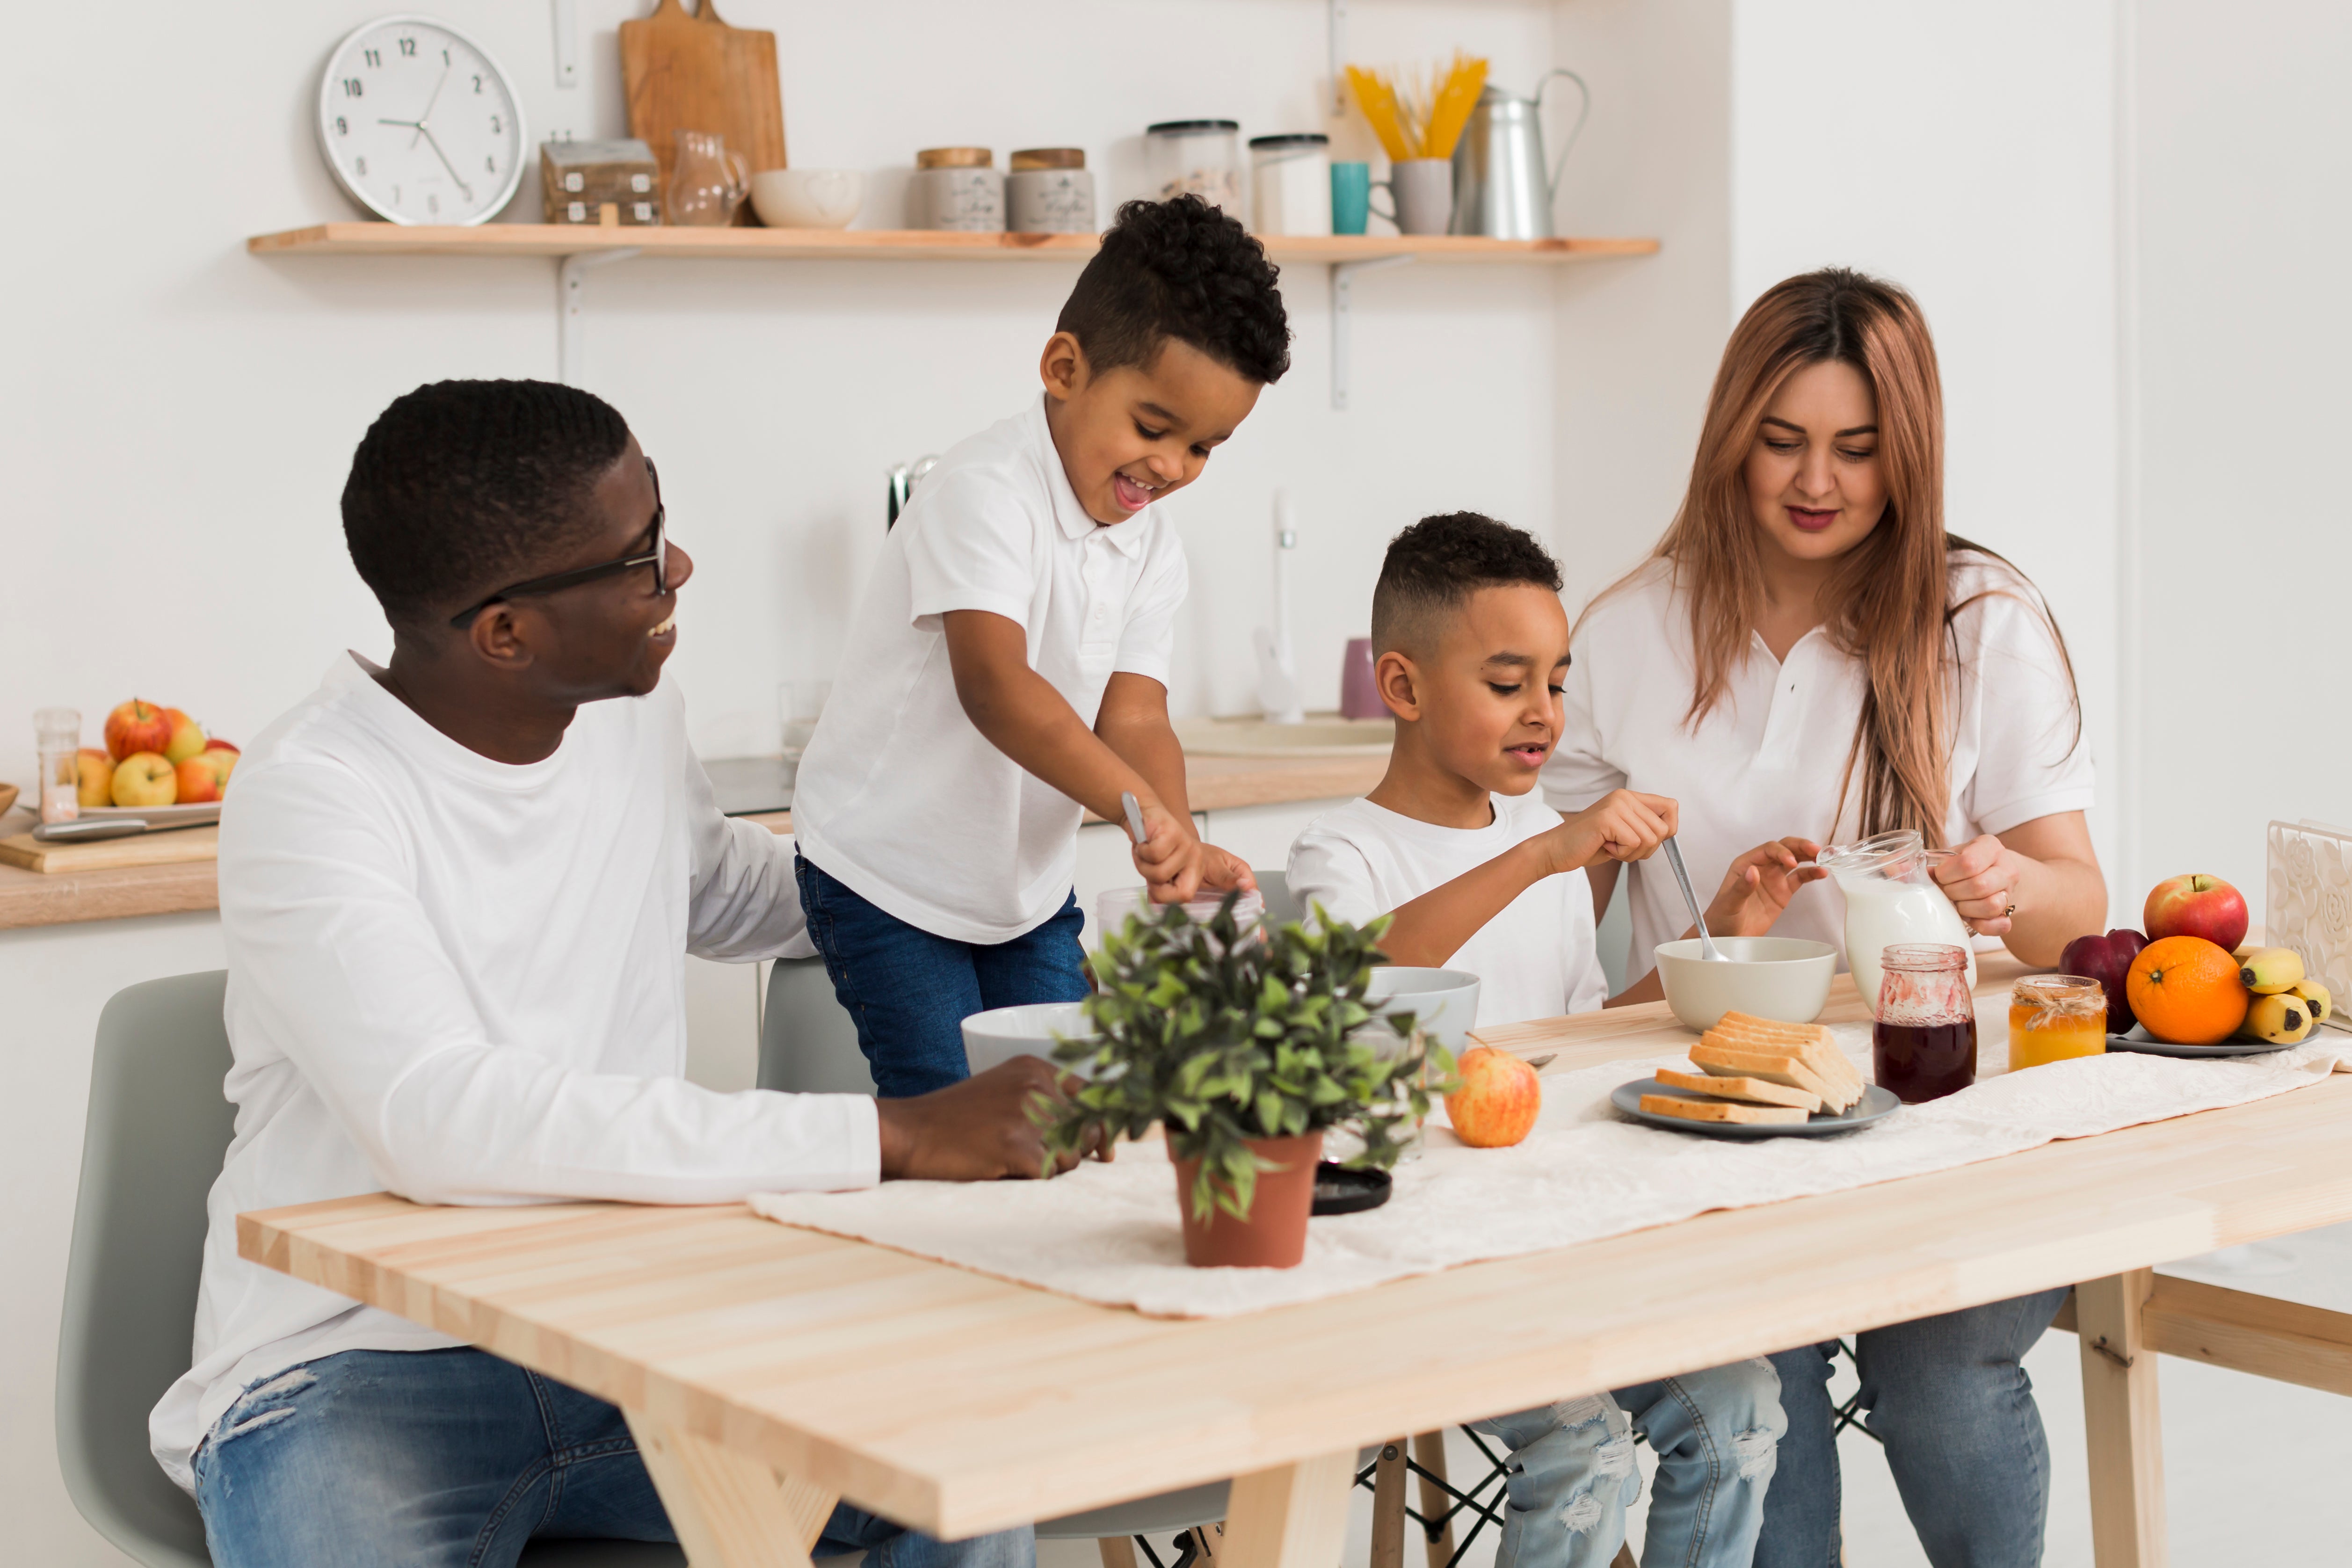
x: 2186, y: 991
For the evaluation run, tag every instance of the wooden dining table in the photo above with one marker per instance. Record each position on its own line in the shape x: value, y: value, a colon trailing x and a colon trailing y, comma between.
x: 768, y: 1371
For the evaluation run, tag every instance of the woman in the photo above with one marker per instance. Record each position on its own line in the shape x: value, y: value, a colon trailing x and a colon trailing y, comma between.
x: 1808, y: 655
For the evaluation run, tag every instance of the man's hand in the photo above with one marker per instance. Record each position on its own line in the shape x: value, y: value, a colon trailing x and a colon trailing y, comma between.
x: 976, y: 1131
x: 1620, y: 826
x: 1760, y: 885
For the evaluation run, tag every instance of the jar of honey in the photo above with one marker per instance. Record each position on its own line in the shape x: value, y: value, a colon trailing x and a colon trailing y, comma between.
x: 2053, y: 1016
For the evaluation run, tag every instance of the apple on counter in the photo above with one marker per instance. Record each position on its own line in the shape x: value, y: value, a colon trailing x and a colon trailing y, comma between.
x: 1498, y: 1099
x: 145, y: 778
x: 94, y: 777
x: 203, y: 776
x: 2197, y: 905
x: 137, y: 726
x: 187, y: 738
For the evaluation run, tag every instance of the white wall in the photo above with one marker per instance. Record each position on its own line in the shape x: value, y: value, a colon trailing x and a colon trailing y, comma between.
x: 2243, y: 158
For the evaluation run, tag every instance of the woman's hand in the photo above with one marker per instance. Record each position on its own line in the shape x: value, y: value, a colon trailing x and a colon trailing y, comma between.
x: 1760, y: 885
x: 1982, y: 878
x: 2037, y: 887
x: 1620, y: 826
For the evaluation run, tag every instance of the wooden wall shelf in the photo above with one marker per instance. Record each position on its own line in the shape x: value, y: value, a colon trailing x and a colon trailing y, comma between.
x: 881, y: 244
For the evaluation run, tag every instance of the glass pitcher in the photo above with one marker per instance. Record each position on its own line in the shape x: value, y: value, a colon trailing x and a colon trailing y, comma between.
x: 1891, y: 897
x: 708, y: 181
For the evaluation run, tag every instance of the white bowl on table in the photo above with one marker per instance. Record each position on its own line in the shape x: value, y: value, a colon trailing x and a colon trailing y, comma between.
x: 1031, y: 1030
x: 1785, y: 978
x: 1444, y: 1002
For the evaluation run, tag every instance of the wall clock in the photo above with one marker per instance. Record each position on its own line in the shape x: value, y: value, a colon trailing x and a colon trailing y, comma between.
x: 419, y: 123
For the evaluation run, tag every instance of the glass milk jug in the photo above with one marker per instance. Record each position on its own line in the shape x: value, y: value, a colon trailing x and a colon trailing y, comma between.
x: 1891, y: 898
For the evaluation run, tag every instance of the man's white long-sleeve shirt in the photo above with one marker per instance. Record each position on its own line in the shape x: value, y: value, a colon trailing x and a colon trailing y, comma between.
x: 463, y: 982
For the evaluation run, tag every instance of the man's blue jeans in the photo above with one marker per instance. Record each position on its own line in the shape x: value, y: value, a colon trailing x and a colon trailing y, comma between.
x: 1717, y: 1435
x: 909, y: 991
x: 454, y: 1459
x: 1963, y: 1438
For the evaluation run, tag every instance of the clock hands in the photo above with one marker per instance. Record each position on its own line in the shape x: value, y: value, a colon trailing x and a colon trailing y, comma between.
x: 428, y: 112
x: 459, y: 178
x: 425, y: 131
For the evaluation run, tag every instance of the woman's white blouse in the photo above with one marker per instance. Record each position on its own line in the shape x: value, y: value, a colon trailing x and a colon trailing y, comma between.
x: 1769, y: 761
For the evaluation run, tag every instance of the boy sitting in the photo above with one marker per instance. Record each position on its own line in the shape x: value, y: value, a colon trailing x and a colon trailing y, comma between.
x: 1008, y: 667
x: 1479, y: 874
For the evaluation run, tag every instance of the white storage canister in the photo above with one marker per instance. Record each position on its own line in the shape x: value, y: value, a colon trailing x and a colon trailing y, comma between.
x: 956, y: 188
x: 1290, y: 184
x: 1199, y: 156
x: 1050, y: 191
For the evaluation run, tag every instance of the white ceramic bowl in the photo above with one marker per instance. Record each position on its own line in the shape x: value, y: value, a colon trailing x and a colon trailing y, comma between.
x: 1781, y: 977
x: 807, y: 198
x: 1003, y: 1033
x: 1443, y: 1002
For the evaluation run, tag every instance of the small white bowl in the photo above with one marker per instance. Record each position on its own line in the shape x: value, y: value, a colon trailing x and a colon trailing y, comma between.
x: 1003, y: 1033
x: 1785, y: 978
x: 807, y: 198
x: 1444, y: 1002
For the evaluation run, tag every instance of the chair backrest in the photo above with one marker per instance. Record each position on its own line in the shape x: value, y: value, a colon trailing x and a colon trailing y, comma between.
x: 808, y: 1043
x: 157, y: 1129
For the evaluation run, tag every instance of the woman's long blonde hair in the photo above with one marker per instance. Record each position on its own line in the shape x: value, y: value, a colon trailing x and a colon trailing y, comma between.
x: 1890, y: 602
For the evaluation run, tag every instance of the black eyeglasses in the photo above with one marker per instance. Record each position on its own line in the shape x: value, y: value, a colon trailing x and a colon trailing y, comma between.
x: 658, y: 558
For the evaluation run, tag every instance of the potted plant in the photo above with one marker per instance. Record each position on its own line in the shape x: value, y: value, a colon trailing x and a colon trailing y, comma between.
x: 1247, y: 1046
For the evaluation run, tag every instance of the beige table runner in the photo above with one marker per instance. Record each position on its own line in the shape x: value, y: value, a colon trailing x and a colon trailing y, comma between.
x: 1107, y: 1233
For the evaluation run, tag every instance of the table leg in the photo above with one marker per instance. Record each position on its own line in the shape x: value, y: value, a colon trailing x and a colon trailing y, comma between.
x: 1293, y: 1515
x: 2120, y: 1422
x: 729, y: 1509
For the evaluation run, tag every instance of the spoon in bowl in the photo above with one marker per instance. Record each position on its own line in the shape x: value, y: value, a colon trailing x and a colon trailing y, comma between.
x: 1682, y: 879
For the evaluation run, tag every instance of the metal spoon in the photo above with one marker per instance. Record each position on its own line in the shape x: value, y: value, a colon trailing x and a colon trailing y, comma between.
x: 1682, y: 879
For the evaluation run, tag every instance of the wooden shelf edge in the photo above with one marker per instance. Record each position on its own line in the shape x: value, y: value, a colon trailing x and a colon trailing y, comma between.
x: 881, y: 244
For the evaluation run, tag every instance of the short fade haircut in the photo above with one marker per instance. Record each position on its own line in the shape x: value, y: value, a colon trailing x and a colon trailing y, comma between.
x: 1434, y: 566
x: 1181, y: 270
x: 462, y: 487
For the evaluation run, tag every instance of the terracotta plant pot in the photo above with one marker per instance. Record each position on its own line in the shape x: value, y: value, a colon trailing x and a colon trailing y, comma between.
x: 1275, y: 1235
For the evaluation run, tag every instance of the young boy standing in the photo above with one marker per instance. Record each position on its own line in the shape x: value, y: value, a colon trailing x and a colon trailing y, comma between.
x: 1471, y: 644
x: 1008, y: 668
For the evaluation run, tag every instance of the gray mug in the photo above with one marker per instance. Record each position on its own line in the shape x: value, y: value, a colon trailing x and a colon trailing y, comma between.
x: 1422, y: 191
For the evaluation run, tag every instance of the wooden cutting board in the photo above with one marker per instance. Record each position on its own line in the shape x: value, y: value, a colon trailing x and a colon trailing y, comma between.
x: 178, y: 845
x: 685, y: 71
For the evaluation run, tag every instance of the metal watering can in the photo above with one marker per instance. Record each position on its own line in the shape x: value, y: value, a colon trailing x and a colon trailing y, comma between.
x: 1501, y: 185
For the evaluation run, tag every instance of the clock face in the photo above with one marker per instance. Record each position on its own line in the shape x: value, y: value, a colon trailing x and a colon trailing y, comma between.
x: 419, y: 123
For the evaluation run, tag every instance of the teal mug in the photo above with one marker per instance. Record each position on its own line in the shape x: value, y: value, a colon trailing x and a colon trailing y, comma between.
x: 1352, y: 197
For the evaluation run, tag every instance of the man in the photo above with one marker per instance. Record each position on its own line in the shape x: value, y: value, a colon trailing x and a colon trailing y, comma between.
x: 456, y: 893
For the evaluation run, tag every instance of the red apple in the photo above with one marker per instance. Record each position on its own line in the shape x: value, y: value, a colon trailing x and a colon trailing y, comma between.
x: 215, y: 744
x: 136, y: 726
x: 94, y: 777
x: 2197, y: 906
x: 187, y: 737
x: 204, y: 776
x: 2106, y: 958
x: 1497, y: 1100
x: 144, y: 778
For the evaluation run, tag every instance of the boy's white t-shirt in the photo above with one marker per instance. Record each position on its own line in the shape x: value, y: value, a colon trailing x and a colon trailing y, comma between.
x: 465, y: 982
x: 1537, y: 959
x: 898, y: 796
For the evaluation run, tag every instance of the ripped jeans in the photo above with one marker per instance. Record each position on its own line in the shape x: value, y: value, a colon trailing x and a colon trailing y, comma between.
x: 1572, y: 1474
x: 453, y: 1458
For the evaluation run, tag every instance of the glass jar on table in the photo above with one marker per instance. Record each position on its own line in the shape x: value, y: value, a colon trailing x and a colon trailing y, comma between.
x: 2054, y: 1016
x: 1923, y: 1043
x: 56, y: 734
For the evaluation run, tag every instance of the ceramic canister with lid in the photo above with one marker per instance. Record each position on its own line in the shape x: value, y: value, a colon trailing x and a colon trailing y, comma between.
x: 956, y: 188
x: 1200, y: 157
x: 1290, y: 184
x: 1050, y: 191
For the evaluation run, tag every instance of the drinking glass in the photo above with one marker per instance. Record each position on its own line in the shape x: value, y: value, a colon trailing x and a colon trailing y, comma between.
x: 56, y: 734
x: 799, y: 705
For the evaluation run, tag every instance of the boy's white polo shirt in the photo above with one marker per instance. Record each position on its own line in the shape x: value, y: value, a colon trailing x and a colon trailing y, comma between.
x: 898, y: 796
x: 1767, y: 763
x: 1537, y: 959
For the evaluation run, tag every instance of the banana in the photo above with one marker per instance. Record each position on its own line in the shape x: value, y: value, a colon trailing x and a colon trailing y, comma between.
x: 2279, y: 1018
x: 2314, y: 997
x: 2270, y: 970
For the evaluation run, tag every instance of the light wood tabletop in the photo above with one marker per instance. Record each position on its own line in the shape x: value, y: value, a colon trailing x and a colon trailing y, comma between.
x: 768, y: 1370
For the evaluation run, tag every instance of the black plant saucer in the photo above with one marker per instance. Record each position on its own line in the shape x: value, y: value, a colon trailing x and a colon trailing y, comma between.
x: 1339, y: 1190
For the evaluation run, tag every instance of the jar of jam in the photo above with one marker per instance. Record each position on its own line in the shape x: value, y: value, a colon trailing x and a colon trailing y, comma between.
x: 1924, y: 1042
x: 2053, y: 1016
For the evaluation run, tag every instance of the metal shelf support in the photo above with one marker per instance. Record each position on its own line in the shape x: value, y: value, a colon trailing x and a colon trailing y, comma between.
x: 1336, y: 32
x: 571, y: 312
x: 1343, y: 274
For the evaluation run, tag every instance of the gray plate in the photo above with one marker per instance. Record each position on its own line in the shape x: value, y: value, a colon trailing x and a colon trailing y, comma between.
x: 2137, y: 1040
x: 1875, y: 1104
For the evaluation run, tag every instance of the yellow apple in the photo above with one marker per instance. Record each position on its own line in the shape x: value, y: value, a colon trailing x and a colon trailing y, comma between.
x: 145, y: 778
x: 187, y: 737
x: 94, y: 777
x: 1497, y: 1100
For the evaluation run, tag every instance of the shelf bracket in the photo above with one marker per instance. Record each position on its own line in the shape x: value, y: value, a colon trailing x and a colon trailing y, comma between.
x: 1334, y: 32
x: 1343, y: 274
x: 571, y: 310
x: 567, y: 42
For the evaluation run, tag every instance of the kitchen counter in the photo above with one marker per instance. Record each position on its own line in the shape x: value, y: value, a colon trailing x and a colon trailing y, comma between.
x: 36, y: 899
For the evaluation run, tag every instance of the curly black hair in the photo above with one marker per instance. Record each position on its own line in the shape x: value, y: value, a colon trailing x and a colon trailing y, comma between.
x: 1182, y: 269
x: 1441, y: 561
x: 462, y: 487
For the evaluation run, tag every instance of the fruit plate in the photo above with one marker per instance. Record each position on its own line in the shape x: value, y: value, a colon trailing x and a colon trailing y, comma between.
x: 1875, y: 1105
x: 2140, y: 1041
x: 156, y: 815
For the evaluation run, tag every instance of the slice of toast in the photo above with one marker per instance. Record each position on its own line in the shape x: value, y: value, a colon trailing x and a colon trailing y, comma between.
x: 1759, y: 1090
x: 1718, y: 1109
x: 1773, y: 1067
x: 1813, y: 1042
